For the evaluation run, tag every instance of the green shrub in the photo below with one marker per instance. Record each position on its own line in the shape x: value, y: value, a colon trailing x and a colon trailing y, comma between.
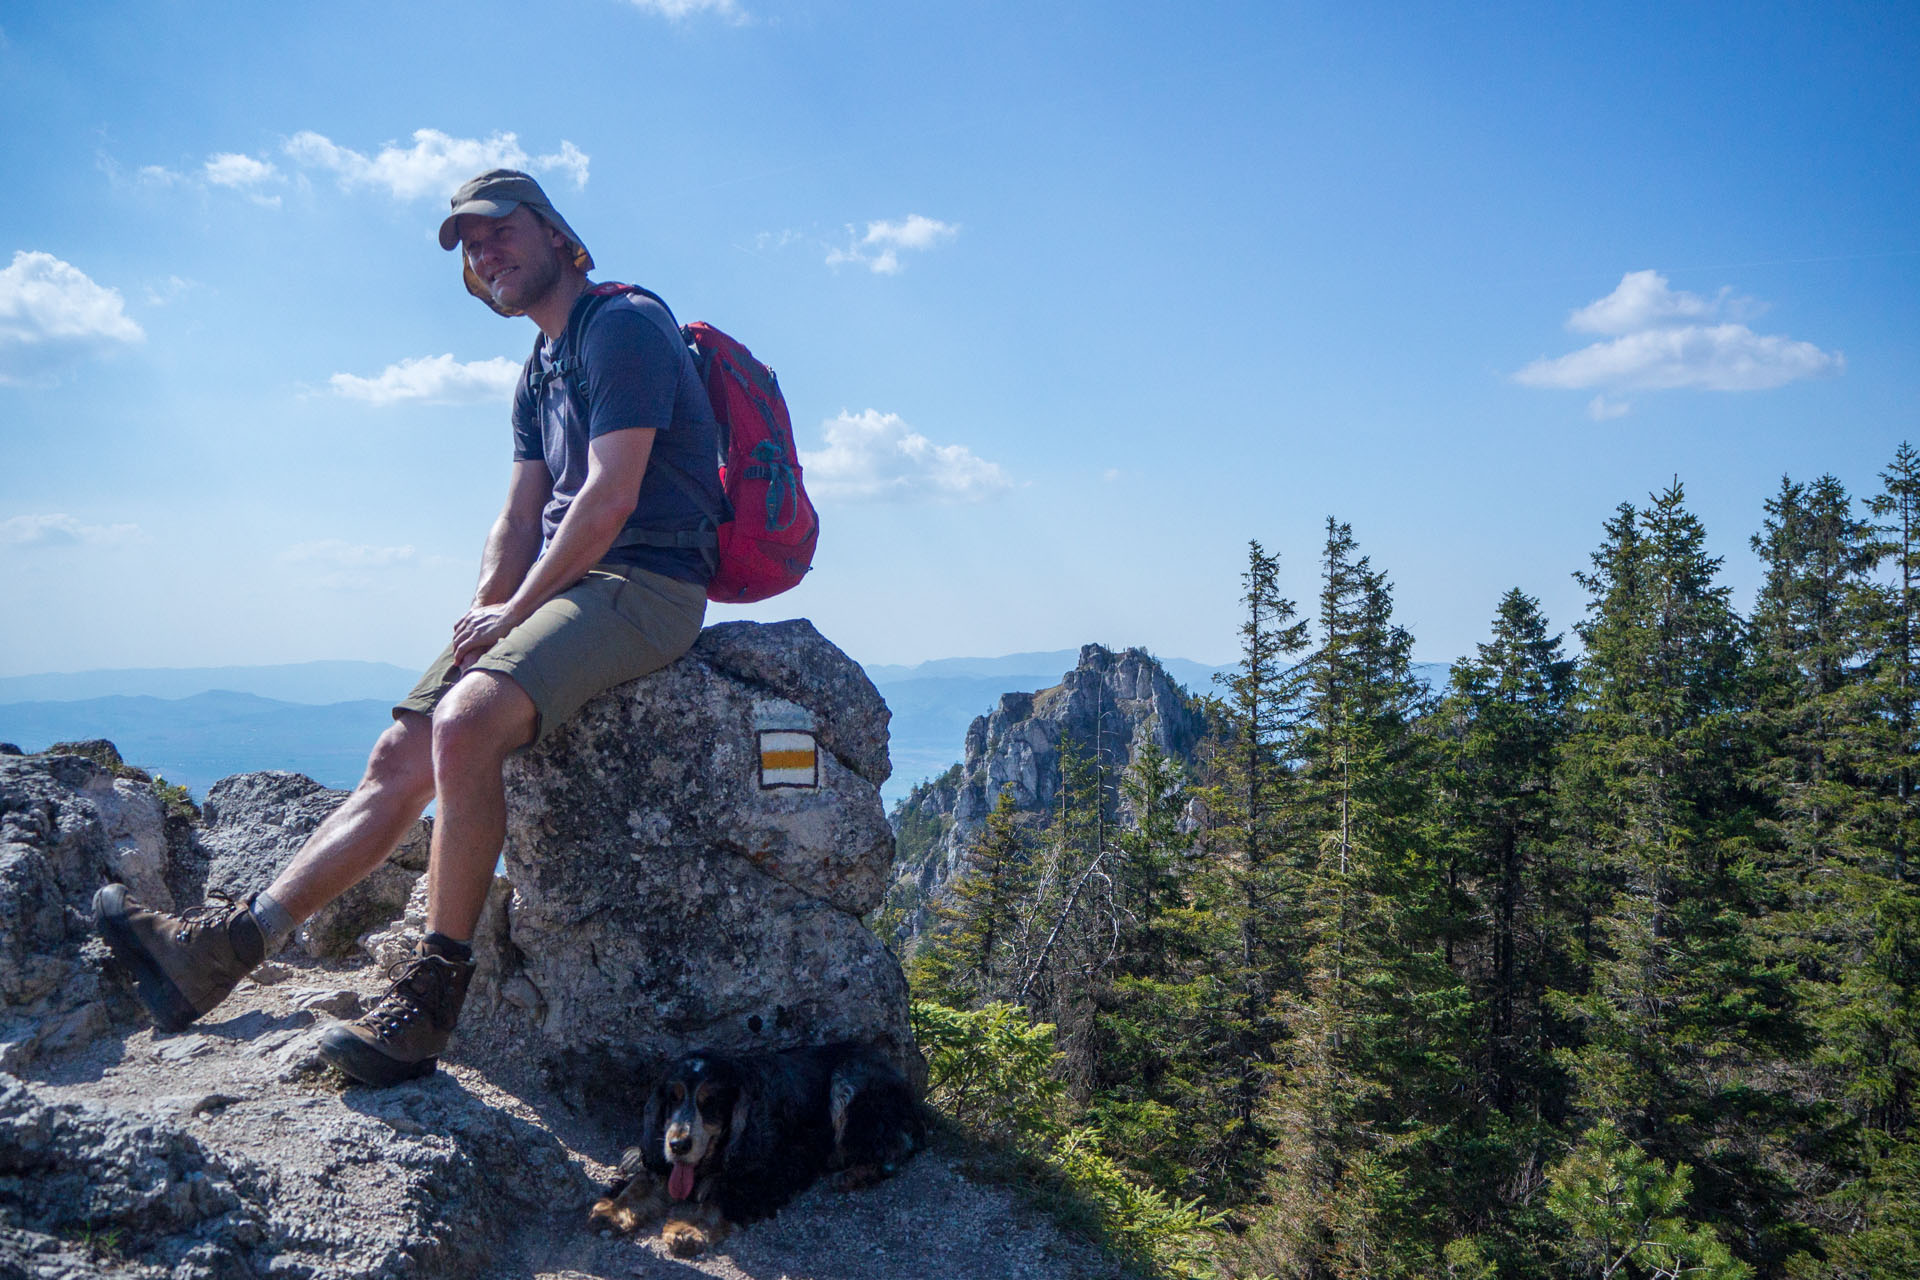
x: 991, y: 1071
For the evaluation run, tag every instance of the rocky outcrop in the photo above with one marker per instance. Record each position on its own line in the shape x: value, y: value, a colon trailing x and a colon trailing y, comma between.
x: 67, y: 825
x: 688, y: 861
x: 1110, y: 703
x: 256, y: 822
x: 687, y: 865
x: 213, y: 1161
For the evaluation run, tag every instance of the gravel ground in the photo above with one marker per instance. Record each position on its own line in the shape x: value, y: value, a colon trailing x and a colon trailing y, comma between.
x: 468, y: 1174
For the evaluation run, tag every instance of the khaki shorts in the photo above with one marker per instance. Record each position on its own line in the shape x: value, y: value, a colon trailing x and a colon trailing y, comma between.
x: 616, y: 624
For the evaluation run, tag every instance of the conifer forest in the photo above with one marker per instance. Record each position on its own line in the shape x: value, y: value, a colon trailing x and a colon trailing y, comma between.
x: 1601, y: 961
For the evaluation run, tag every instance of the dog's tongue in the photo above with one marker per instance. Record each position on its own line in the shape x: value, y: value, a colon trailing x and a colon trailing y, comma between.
x: 680, y: 1181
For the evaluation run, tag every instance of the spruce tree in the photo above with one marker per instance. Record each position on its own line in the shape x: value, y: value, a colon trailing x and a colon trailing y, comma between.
x: 1501, y: 728
x: 1367, y: 1106
x: 975, y: 950
x: 1682, y: 1013
x: 1252, y: 796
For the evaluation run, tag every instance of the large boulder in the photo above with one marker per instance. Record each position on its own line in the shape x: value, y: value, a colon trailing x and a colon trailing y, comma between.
x: 68, y: 825
x: 256, y: 822
x: 689, y: 859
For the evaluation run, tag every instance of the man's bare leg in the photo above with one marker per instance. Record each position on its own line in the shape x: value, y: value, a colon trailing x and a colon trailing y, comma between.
x: 185, y: 965
x: 359, y: 835
x: 477, y: 724
x: 481, y: 721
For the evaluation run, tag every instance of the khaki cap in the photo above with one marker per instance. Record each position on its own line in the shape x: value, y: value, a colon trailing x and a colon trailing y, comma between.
x: 495, y: 194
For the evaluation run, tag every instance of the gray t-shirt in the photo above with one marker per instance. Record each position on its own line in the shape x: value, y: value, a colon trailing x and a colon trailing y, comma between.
x: 633, y: 370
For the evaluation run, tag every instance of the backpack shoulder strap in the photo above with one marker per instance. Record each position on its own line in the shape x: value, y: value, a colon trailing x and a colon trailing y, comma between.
x: 569, y: 366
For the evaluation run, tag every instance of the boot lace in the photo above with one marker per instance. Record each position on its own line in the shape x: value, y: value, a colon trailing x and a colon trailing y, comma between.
x: 211, y: 914
x: 417, y: 982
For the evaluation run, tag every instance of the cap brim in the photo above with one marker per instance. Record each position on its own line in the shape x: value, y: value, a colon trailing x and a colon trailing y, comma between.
x: 450, y: 236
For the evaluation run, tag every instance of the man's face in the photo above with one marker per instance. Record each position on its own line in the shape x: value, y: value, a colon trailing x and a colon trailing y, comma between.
x: 518, y: 257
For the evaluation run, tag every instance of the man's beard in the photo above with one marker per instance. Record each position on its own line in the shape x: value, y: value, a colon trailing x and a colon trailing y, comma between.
x: 522, y: 288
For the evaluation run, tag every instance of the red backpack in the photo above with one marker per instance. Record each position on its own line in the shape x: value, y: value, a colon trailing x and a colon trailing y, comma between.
x: 767, y: 536
x: 768, y: 545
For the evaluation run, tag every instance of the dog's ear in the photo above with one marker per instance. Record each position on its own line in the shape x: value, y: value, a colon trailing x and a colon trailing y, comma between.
x: 653, y: 1129
x: 750, y: 1130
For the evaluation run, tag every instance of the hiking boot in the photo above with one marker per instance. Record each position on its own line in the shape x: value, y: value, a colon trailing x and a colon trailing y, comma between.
x: 182, y: 965
x: 401, y: 1038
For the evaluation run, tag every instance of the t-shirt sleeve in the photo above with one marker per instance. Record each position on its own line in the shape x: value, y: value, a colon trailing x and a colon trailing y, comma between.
x: 633, y: 372
x: 527, y: 445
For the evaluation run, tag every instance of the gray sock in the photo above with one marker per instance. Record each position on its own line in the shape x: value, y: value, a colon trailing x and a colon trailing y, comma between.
x: 276, y: 925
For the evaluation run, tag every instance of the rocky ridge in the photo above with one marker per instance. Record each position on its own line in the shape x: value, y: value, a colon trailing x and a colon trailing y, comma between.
x: 228, y: 1151
x: 1112, y: 703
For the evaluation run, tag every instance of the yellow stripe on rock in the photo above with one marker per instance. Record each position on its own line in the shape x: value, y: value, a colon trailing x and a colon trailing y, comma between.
x: 788, y: 758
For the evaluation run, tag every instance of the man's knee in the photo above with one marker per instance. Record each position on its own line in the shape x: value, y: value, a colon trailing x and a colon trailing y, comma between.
x: 482, y: 719
x: 402, y: 757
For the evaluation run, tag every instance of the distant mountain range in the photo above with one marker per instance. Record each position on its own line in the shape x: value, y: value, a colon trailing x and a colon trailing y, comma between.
x: 310, y: 682
x: 196, y: 725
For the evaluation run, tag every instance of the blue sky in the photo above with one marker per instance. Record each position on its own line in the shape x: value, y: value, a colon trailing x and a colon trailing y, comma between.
x: 1069, y: 300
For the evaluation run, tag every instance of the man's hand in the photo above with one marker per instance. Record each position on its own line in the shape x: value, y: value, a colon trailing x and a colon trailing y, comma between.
x: 479, y: 629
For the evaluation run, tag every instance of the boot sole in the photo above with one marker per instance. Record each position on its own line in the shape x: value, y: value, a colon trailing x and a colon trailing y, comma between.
x: 362, y: 1062
x: 170, y: 1008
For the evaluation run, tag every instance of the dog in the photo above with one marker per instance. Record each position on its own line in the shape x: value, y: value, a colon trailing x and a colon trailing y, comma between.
x: 727, y: 1139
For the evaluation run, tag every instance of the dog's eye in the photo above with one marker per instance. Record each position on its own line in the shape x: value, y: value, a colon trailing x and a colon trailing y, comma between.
x: 679, y: 1092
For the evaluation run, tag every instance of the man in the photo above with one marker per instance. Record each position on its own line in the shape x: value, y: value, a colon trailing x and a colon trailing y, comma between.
x: 594, y: 573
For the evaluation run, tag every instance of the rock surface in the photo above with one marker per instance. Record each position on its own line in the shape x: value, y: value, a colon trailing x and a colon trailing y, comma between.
x: 256, y: 822
x: 67, y: 826
x: 1115, y: 703
x: 649, y: 865
x: 669, y: 893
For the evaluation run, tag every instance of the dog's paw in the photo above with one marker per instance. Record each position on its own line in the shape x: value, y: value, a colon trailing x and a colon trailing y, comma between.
x: 630, y: 1205
x: 684, y: 1240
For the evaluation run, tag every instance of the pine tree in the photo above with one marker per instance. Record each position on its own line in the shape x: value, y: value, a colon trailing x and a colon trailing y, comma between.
x: 1167, y: 1095
x: 1075, y: 928
x: 972, y: 957
x: 1502, y: 726
x: 1859, y: 914
x: 1682, y: 1013
x: 1250, y: 803
x: 1367, y: 1109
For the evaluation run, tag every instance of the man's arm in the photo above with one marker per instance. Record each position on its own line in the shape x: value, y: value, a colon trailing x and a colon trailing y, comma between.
x: 514, y: 541
x: 616, y: 463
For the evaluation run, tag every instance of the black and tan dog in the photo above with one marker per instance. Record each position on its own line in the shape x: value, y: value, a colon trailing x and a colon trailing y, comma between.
x: 728, y: 1139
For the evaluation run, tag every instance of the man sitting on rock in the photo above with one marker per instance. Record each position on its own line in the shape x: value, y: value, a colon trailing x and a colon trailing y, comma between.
x: 594, y: 573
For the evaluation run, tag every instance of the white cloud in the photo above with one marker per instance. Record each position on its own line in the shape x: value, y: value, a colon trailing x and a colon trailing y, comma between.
x: 1601, y: 409
x: 569, y: 160
x: 916, y: 232
x: 767, y: 241
x: 677, y: 10
x: 876, y: 456
x: 879, y: 249
x: 229, y: 169
x: 61, y: 530
x: 434, y: 165
x: 159, y: 295
x: 1721, y: 357
x: 160, y: 175
x: 433, y: 379
x: 51, y: 312
x: 1660, y: 338
x: 1643, y: 299
x: 337, y: 564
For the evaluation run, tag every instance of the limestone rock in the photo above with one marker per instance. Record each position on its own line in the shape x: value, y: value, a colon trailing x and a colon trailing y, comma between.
x: 67, y: 826
x: 207, y: 1185
x: 1115, y: 703
x: 669, y: 893
x: 256, y: 822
